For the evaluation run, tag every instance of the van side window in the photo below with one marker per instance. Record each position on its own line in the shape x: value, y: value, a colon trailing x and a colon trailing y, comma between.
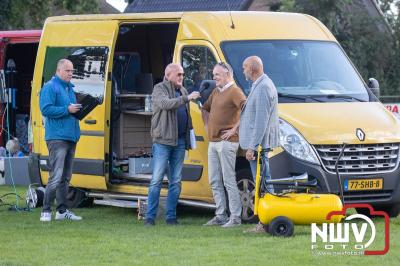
x: 89, y: 68
x: 198, y: 63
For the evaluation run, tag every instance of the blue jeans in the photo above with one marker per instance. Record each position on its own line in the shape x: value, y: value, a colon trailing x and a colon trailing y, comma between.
x: 166, y: 156
x: 265, y: 171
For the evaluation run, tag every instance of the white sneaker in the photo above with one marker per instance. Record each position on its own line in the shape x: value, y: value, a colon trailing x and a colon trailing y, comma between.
x: 45, y: 217
x: 68, y: 215
x: 217, y: 221
x: 232, y: 223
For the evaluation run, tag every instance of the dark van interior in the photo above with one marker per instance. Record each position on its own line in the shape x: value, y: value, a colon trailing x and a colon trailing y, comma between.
x: 142, y: 52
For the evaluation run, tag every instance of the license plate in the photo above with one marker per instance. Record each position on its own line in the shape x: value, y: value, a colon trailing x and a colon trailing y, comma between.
x: 363, y: 184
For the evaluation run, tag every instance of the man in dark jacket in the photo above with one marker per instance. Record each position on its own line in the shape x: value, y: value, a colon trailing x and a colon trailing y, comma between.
x: 170, y: 130
x: 62, y: 132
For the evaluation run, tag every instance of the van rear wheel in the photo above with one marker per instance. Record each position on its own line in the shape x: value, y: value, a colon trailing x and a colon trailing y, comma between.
x: 246, y: 188
x: 76, y: 198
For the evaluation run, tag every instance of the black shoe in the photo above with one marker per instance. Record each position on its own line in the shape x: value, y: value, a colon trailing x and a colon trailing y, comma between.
x: 172, y: 222
x: 149, y: 222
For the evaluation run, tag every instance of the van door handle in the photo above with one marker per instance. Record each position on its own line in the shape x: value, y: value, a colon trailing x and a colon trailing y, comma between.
x: 90, y: 121
x: 199, y: 138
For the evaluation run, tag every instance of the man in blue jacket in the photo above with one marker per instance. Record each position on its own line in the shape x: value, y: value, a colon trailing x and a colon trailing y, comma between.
x: 62, y: 132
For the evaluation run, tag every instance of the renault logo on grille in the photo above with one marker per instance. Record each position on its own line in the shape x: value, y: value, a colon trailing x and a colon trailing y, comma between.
x: 360, y: 134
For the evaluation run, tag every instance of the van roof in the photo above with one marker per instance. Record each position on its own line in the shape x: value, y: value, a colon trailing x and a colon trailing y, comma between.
x: 21, y: 36
x: 264, y: 25
x: 121, y: 16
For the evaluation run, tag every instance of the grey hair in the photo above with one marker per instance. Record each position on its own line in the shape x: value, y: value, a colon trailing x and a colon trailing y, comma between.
x: 226, y: 66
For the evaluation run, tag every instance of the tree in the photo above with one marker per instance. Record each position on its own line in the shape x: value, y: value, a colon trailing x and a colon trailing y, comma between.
x: 23, y: 14
x: 391, y: 9
x: 374, y: 51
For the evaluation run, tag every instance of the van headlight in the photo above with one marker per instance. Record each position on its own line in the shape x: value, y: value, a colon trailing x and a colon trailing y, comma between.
x: 295, y: 144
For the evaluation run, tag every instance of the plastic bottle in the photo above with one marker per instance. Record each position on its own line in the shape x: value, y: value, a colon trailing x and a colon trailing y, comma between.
x: 147, y: 104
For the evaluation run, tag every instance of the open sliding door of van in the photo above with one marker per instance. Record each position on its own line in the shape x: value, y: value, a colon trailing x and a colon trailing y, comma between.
x: 89, y: 45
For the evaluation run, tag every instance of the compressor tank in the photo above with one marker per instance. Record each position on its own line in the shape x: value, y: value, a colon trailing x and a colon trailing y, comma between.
x: 301, y: 208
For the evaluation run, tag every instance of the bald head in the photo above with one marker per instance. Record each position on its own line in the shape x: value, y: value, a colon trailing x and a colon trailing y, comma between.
x: 62, y: 62
x: 65, y: 70
x: 174, y: 73
x: 253, y: 67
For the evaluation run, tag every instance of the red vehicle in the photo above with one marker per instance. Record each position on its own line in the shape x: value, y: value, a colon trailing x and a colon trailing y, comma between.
x: 17, y: 61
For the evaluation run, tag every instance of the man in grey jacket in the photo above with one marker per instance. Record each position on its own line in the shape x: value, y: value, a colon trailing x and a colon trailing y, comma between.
x: 170, y: 130
x: 259, y: 121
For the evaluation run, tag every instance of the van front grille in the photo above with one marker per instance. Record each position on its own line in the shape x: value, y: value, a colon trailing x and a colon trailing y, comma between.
x: 357, y: 196
x: 360, y: 158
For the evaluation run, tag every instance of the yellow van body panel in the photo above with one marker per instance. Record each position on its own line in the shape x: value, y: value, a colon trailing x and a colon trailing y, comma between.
x: 318, y: 122
x: 90, y: 147
x: 126, y: 17
x: 94, y: 142
x: 83, y: 181
x: 199, y: 156
x: 216, y: 26
x: 80, y: 33
x: 139, y: 190
x: 201, y: 188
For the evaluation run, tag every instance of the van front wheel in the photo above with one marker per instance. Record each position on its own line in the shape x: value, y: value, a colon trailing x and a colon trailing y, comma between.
x: 246, y: 188
x: 393, y: 210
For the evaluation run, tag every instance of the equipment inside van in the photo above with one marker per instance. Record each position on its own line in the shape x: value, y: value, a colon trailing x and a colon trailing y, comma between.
x: 17, y: 61
x: 142, y: 52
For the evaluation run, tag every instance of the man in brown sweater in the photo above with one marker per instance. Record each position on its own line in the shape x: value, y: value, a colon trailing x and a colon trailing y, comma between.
x: 224, y: 106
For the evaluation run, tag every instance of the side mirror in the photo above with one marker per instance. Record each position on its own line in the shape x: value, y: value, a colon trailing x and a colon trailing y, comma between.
x: 373, y: 85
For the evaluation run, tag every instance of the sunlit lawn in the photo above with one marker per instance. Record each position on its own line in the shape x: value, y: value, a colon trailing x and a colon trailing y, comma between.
x: 114, y: 236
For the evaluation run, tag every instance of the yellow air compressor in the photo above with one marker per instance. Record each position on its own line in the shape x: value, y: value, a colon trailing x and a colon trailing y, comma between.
x: 278, y: 212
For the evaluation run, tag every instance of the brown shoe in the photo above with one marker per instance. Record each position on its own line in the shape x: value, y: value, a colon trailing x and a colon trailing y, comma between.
x: 259, y: 228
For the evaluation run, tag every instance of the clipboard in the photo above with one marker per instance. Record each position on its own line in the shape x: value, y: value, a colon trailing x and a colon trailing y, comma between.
x: 88, y: 103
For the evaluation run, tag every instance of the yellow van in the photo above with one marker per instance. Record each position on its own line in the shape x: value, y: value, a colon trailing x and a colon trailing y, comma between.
x: 323, y: 103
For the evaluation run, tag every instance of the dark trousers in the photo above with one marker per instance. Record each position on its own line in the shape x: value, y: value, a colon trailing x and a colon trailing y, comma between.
x: 61, y: 157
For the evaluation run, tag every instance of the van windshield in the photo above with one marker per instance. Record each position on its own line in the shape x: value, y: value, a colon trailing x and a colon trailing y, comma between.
x: 301, y: 70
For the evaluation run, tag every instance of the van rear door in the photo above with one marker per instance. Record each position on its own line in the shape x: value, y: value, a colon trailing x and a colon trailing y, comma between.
x: 89, y: 45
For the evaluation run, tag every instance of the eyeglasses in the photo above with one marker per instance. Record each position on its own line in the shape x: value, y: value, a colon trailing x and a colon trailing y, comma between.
x: 181, y: 74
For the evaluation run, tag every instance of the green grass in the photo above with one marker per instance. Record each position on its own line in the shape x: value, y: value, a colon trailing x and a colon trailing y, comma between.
x: 114, y: 236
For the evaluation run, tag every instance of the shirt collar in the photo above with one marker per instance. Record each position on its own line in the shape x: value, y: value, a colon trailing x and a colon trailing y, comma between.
x: 64, y: 83
x: 226, y: 86
x: 258, y: 80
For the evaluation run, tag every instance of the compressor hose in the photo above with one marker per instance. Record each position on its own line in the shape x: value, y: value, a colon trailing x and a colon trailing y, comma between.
x: 337, y: 172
